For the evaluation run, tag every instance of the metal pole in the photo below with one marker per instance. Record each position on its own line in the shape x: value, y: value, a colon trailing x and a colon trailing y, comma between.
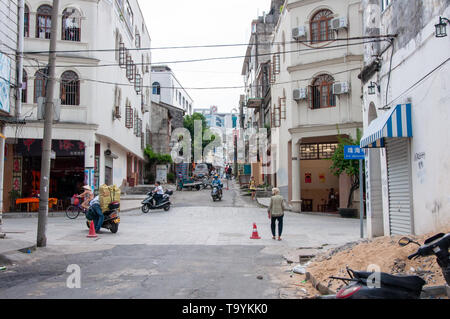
x: 361, y: 203
x: 47, y: 141
x: 2, y: 171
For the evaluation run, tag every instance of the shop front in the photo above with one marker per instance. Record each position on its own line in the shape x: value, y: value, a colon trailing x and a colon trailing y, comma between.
x: 67, y: 174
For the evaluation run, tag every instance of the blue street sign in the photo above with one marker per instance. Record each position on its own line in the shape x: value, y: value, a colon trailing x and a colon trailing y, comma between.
x: 353, y: 152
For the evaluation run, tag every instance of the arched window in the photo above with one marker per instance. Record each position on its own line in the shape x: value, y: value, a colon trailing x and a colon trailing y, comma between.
x: 321, y: 92
x: 44, y: 22
x: 156, y: 88
x: 40, y: 83
x: 321, y: 26
x: 24, y: 86
x: 71, y: 25
x: 26, y: 22
x: 70, y: 88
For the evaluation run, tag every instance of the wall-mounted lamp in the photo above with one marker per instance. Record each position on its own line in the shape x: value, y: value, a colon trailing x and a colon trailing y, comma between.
x: 372, y: 87
x: 441, y: 27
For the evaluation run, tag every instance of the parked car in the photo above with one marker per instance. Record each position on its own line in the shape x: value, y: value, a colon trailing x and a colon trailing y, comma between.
x: 201, y: 170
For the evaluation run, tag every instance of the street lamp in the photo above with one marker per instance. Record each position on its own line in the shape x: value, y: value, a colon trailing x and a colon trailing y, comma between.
x: 372, y: 87
x: 441, y: 27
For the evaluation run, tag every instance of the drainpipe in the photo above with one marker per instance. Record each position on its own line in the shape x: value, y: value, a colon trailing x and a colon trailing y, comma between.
x: 21, y: 20
x: 2, y: 170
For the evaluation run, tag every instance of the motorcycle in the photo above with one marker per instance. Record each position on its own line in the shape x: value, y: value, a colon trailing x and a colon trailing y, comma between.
x: 112, y: 219
x: 362, y: 284
x: 216, y: 193
x: 164, y: 203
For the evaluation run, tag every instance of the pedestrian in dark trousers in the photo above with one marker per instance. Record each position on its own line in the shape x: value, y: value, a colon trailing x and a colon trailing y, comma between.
x: 276, y: 212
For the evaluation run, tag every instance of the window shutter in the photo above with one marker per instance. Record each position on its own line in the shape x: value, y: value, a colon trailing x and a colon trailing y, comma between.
x: 129, y: 117
x: 310, y: 96
x: 122, y: 55
x: 283, y: 107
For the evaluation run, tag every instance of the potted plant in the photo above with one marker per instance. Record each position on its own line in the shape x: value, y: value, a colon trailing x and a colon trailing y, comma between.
x: 349, y: 167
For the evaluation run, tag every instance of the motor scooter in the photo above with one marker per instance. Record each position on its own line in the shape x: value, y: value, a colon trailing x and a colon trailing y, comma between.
x: 216, y: 193
x: 112, y: 219
x: 364, y: 285
x: 148, y: 203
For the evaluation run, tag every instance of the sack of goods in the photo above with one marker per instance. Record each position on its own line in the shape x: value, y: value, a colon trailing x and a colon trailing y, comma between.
x: 108, y: 195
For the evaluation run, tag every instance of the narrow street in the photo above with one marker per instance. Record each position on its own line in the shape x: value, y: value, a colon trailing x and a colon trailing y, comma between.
x: 198, y: 249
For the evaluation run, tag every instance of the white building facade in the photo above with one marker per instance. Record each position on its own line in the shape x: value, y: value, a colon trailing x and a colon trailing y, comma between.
x: 406, y: 97
x: 104, y: 96
x: 316, y: 96
x: 167, y: 89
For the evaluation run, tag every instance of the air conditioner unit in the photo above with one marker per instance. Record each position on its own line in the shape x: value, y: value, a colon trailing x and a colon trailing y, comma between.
x: 299, y: 32
x: 300, y: 94
x: 341, y: 88
x: 339, y: 23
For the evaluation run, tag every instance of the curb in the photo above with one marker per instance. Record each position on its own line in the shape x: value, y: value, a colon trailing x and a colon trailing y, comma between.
x: 323, y: 290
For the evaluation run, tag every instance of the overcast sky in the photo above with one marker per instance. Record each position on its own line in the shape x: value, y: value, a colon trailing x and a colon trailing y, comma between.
x: 203, y: 22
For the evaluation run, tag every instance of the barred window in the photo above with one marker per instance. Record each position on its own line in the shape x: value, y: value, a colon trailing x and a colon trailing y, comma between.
x: 71, y: 25
x: 26, y: 22
x: 321, y: 26
x: 317, y: 151
x: 44, y: 22
x: 321, y: 92
x: 70, y: 88
x: 40, y: 84
x: 128, y: 116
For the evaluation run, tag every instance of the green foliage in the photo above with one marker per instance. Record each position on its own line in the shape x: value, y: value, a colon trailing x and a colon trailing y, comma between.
x: 188, y: 123
x: 156, y: 158
x: 171, y: 177
x: 349, y: 167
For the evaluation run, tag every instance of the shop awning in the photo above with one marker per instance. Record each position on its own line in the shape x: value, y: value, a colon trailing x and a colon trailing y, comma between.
x: 396, y: 122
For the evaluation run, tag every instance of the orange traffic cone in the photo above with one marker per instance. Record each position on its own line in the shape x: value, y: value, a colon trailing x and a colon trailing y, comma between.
x: 92, y: 233
x: 255, y: 233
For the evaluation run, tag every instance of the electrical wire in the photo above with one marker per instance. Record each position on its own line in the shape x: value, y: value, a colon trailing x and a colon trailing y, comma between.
x: 217, y: 58
x: 213, y: 45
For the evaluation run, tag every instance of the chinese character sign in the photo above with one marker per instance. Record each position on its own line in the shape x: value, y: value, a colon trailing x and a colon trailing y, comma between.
x: 353, y: 152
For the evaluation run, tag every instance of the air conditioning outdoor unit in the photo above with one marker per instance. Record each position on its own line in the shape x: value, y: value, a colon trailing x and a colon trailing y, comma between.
x: 299, y: 32
x: 341, y: 88
x: 300, y: 94
x: 339, y: 23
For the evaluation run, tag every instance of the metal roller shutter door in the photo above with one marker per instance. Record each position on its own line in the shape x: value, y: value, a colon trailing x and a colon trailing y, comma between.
x: 399, y: 186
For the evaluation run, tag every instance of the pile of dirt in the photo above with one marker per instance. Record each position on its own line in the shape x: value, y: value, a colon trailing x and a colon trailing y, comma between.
x: 382, y: 252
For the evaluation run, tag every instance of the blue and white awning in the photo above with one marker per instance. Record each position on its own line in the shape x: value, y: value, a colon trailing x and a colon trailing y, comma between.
x: 397, y: 122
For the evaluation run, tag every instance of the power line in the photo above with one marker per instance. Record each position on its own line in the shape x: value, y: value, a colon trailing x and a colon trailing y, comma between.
x: 217, y: 58
x: 215, y: 45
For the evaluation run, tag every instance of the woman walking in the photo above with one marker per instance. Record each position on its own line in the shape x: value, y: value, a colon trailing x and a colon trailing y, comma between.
x: 276, y: 212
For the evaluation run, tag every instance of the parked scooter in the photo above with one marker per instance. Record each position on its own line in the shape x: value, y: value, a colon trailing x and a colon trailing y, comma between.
x: 216, y: 193
x: 148, y: 204
x: 392, y: 286
x: 112, y: 219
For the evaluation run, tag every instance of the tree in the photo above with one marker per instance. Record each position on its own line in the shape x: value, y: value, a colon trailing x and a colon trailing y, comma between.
x: 188, y: 123
x: 349, y: 167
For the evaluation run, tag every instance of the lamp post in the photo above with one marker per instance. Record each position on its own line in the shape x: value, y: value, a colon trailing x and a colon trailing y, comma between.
x: 372, y: 87
x: 441, y: 27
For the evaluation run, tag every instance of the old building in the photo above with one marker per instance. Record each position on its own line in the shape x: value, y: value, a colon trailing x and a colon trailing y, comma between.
x: 405, y: 112
x: 316, y: 95
x: 257, y: 71
x: 98, y: 137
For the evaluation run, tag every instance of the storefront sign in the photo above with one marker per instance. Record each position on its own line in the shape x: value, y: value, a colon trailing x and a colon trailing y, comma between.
x: 62, y: 148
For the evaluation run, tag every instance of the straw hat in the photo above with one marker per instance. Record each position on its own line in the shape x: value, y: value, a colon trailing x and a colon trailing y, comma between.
x: 87, y: 187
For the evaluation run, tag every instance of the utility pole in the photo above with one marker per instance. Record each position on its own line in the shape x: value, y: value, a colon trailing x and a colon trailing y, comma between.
x: 47, y: 141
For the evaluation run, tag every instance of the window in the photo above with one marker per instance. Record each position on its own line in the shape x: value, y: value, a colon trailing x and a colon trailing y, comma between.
x: 321, y: 26
x: 71, y: 25
x: 321, y: 92
x: 26, y: 22
x: 385, y: 4
x: 128, y: 115
x: 129, y: 15
x: 24, y: 86
x: 44, y: 22
x: 137, y: 40
x: 70, y: 88
x: 40, y: 83
x: 156, y: 88
x: 317, y: 151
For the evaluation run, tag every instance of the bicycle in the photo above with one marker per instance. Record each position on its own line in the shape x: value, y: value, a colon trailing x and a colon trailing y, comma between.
x: 74, y: 210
